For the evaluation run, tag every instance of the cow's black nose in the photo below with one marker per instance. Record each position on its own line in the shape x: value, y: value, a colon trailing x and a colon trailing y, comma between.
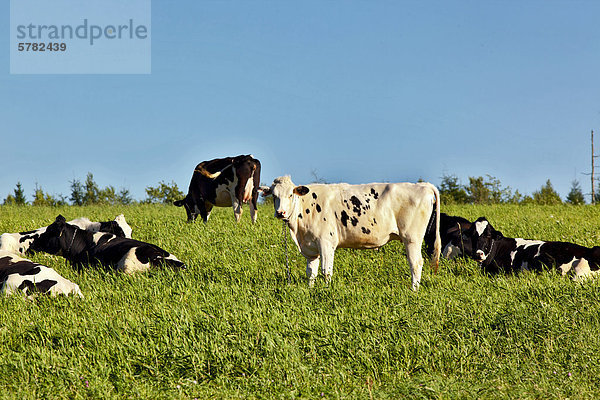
x: 280, y: 214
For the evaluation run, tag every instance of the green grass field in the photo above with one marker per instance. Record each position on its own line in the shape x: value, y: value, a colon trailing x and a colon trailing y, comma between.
x: 230, y: 326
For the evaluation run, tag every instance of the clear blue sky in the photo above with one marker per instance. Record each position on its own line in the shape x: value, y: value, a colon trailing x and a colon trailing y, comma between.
x: 356, y: 91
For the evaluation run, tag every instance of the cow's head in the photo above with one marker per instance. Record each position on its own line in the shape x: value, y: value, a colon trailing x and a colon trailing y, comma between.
x: 190, y: 207
x: 482, y: 235
x: 285, y: 196
x: 54, y: 239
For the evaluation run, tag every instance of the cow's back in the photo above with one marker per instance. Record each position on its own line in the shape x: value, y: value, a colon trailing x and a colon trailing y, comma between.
x: 364, y: 216
x: 204, y: 188
x: 239, y: 176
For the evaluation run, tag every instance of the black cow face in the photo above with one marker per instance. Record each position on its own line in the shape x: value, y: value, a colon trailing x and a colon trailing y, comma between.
x: 481, y: 235
x: 190, y: 208
x: 51, y: 241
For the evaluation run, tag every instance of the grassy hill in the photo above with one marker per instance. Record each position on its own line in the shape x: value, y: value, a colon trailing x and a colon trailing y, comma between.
x: 230, y: 326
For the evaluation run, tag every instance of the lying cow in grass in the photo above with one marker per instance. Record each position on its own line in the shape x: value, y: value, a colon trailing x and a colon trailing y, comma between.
x: 323, y: 218
x: 21, y: 275
x: 118, y: 227
x: 451, y: 234
x: 20, y: 242
x: 497, y: 253
x: 82, y: 248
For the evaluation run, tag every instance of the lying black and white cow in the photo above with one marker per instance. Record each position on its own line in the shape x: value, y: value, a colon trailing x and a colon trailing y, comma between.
x: 118, y: 227
x: 323, y: 218
x: 21, y: 275
x: 223, y: 182
x: 497, y: 253
x: 82, y: 247
x: 20, y: 242
x: 451, y: 233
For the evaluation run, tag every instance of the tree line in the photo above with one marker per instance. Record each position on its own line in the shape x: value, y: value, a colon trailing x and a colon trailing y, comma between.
x: 479, y: 190
x: 89, y: 193
x: 489, y: 190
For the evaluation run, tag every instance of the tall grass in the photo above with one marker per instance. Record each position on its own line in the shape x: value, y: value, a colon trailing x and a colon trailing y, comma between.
x: 230, y: 326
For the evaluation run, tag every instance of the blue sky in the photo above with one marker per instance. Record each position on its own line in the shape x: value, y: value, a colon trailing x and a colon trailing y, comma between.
x: 354, y: 91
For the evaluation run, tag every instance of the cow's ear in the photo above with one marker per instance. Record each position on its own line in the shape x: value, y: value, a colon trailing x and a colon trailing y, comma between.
x: 301, y: 190
x: 497, y: 234
x: 178, y: 203
x: 468, y: 232
x: 60, y: 220
x: 265, y: 190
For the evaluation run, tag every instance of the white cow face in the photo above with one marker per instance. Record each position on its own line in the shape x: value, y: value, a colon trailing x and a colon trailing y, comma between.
x: 482, y: 235
x: 285, y: 196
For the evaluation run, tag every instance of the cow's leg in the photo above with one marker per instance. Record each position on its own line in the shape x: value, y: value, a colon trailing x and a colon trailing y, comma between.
x: 312, y: 269
x: 253, y: 211
x: 254, y: 199
x: 201, y: 209
x: 207, y: 209
x: 237, y: 208
x: 415, y: 261
x: 327, y: 254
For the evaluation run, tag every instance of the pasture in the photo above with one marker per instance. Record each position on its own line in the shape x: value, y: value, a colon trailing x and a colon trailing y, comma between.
x: 230, y: 326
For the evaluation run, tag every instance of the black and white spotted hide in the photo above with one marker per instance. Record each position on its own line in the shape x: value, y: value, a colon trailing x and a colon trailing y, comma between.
x: 223, y: 182
x: 19, y: 275
x: 497, y: 253
x: 118, y: 227
x: 18, y: 243
x: 84, y: 248
x: 451, y: 232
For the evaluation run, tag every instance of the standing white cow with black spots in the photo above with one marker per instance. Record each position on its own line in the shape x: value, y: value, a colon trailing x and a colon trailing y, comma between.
x: 324, y: 217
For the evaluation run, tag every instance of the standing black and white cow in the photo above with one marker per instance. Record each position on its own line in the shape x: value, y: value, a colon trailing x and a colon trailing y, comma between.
x: 20, y: 242
x: 82, y: 247
x: 497, y: 253
x: 223, y: 182
x: 21, y: 275
x: 322, y: 218
x: 451, y: 233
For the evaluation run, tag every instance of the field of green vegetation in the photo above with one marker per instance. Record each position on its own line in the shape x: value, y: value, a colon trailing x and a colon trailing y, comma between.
x: 230, y: 326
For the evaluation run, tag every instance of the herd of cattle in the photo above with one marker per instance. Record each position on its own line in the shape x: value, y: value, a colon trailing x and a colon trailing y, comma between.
x: 320, y: 218
x: 497, y: 253
x: 82, y: 242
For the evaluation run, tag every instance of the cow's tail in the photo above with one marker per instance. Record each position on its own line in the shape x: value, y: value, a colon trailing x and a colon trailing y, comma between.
x: 255, y: 182
x: 437, y: 245
x: 210, y: 175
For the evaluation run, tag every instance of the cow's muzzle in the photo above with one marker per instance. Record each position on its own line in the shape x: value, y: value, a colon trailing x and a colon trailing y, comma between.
x: 479, y: 256
x: 281, y: 215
